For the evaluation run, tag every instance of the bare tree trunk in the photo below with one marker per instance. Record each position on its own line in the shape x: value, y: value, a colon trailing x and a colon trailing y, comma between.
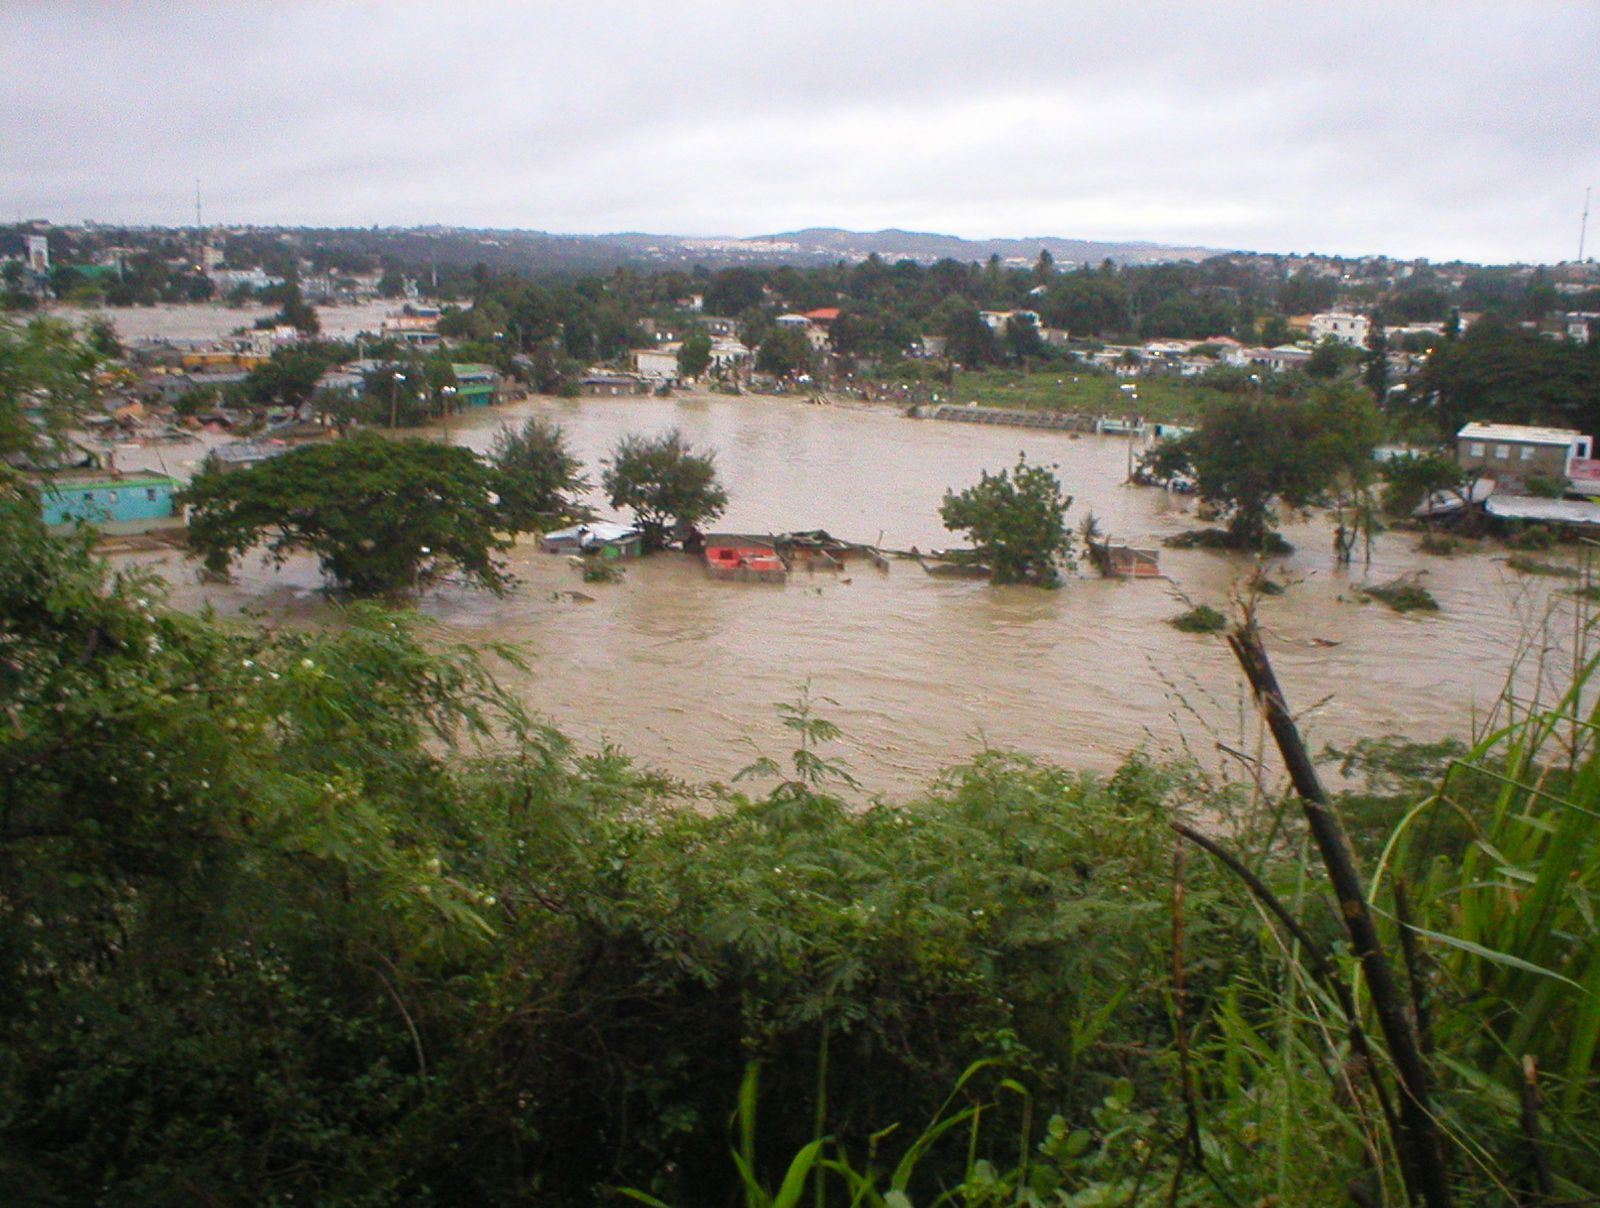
x: 1417, y: 1138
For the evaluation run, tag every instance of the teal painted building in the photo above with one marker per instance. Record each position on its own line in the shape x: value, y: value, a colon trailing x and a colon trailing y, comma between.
x: 476, y: 385
x: 107, y: 498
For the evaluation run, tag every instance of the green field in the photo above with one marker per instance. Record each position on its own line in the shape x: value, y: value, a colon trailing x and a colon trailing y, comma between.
x: 1167, y: 400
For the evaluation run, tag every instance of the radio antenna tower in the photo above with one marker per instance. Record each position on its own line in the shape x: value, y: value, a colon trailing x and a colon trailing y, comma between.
x: 200, y: 226
x: 1583, y: 227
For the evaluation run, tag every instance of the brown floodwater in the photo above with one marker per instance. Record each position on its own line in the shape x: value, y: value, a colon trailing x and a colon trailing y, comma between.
x: 682, y: 671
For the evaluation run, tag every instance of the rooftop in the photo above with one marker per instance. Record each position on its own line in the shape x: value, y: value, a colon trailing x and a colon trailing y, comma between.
x: 1523, y: 433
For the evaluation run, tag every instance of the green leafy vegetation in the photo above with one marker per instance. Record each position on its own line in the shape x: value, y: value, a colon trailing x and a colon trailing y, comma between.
x: 1017, y: 523
x: 1202, y: 618
x: 665, y: 482
x: 1533, y: 566
x: 1441, y: 544
x: 600, y: 569
x: 46, y: 383
x: 535, y: 475
x: 1545, y: 486
x: 1402, y: 595
x: 1411, y: 479
x: 1531, y: 537
x: 384, y: 517
x: 1250, y: 453
x: 1272, y: 544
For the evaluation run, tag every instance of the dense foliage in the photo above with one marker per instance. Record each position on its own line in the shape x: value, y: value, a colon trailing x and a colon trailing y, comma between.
x: 1499, y: 373
x: 46, y: 383
x: 322, y: 918
x: 665, y: 482
x: 1253, y: 451
x: 384, y: 517
x: 536, y: 477
x: 1017, y: 523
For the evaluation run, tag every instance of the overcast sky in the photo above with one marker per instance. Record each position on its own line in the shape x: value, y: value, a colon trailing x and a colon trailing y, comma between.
x: 1459, y: 130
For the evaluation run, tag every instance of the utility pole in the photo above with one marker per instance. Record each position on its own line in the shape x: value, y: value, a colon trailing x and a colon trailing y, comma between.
x: 1583, y: 227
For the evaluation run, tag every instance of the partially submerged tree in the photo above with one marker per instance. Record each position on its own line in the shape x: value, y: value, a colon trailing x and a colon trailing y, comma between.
x: 384, y: 517
x: 1411, y: 479
x: 535, y: 474
x: 1249, y: 453
x: 784, y: 353
x: 664, y: 482
x: 1016, y: 521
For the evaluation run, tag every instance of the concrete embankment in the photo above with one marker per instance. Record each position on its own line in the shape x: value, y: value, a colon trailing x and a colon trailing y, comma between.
x: 1016, y: 419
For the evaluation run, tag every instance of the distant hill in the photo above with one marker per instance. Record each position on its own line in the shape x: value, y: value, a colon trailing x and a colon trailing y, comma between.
x: 916, y: 245
x: 828, y: 244
x: 439, y: 246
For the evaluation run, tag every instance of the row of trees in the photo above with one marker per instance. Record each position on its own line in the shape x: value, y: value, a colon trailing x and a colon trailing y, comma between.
x: 390, y: 518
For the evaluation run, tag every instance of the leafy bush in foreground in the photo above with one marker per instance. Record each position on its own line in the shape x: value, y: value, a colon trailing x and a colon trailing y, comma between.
x: 324, y: 918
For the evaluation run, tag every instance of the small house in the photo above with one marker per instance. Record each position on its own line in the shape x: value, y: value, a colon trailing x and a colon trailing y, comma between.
x: 602, y: 382
x: 658, y: 366
x: 744, y: 559
x: 101, y: 497
x: 1512, y: 453
x: 476, y: 385
x: 1341, y: 326
x: 1124, y: 561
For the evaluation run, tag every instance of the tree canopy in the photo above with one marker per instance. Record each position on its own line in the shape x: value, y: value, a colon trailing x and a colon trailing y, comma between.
x: 535, y: 474
x: 694, y: 354
x: 1251, y: 451
x: 384, y: 517
x: 1016, y: 521
x: 1498, y: 373
x: 664, y: 481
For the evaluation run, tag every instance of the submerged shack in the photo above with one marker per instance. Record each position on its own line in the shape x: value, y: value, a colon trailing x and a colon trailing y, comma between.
x: 743, y: 558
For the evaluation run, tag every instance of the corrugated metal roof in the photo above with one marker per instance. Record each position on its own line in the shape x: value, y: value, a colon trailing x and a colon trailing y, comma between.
x: 1550, y: 511
x: 597, y: 530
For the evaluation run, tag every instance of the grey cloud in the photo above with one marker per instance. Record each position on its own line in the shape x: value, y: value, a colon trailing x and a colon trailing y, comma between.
x: 1463, y: 129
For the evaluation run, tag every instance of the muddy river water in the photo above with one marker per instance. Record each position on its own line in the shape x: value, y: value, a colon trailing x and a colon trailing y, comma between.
x: 682, y: 672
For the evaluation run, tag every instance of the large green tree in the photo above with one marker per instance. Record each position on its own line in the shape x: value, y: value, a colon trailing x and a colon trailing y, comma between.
x: 1253, y: 451
x: 784, y: 353
x: 1016, y: 521
x: 290, y: 375
x: 384, y: 517
x: 664, y: 481
x: 1498, y: 373
x: 535, y: 474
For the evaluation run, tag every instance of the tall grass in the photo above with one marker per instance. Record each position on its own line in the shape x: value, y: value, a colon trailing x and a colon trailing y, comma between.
x: 1511, y: 935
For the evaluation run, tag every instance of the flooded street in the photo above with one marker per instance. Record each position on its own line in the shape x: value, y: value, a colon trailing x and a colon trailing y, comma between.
x: 682, y: 672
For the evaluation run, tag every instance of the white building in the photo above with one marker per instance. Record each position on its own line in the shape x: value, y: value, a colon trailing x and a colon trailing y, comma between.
x: 228, y: 279
x: 729, y: 354
x: 1341, y: 326
x: 657, y: 365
